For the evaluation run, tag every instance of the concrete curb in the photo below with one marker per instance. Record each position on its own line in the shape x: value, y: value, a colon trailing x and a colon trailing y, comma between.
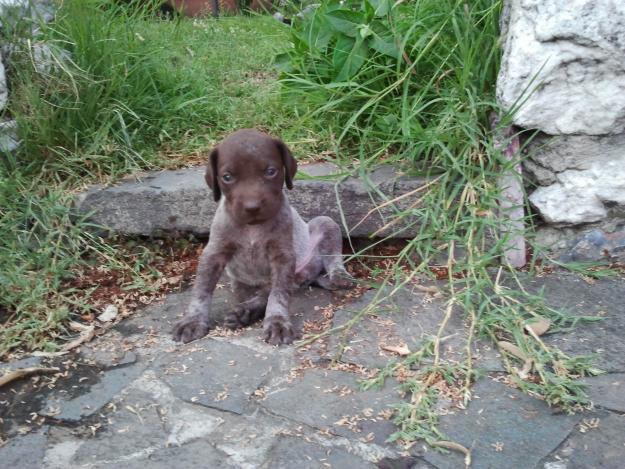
x: 178, y: 201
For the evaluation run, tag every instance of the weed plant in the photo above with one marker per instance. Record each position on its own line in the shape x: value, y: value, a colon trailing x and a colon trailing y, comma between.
x: 414, y: 82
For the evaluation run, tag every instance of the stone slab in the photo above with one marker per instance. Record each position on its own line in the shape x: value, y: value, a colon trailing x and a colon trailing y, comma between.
x: 195, y: 455
x: 600, y: 298
x: 408, y: 317
x: 331, y: 400
x: 27, y: 362
x: 598, y: 442
x: 89, y: 397
x: 504, y: 428
x: 607, y: 391
x: 145, y: 424
x: 25, y: 451
x: 179, y: 201
x: 222, y: 375
x: 290, y: 452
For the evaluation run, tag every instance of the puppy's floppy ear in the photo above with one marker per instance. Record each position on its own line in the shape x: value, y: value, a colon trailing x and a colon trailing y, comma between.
x: 289, y: 163
x: 211, y: 176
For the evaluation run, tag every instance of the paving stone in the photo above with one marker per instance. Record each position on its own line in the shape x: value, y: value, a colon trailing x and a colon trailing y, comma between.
x: 74, y: 405
x: 526, y: 428
x: 602, y: 298
x: 131, y: 435
x: 220, y: 374
x: 290, y: 452
x: 248, y: 439
x: 25, y: 451
x: 600, y: 447
x: 607, y: 391
x: 142, y: 422
x: 404, y: 462
x: 408, y: 317
x: 321, y: 398
x: 197, y: 455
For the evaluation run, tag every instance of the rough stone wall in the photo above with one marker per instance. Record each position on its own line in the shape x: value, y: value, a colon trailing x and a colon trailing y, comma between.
x: 563, y: 69
x: 30, y: 13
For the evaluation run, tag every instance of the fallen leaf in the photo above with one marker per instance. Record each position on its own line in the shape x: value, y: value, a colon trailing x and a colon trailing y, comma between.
x: 527, y: 368
x: 433, y: 290
x: 109, y: 313
x: 400, y: 350
x: 174, y: 280
x: 512, y: 350
x: 38, y: 353
x: 539, y: 327
x: 86, y: 334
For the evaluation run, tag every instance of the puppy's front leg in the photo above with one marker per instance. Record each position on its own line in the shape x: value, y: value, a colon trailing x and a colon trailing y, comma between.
x: 277, y: 324
x: 198, y: 321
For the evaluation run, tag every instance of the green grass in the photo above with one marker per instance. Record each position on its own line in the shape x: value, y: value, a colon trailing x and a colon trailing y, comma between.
x: 139, y: 88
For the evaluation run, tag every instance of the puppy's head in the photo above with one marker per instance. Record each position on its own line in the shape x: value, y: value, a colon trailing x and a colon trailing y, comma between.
x: 249, y: 169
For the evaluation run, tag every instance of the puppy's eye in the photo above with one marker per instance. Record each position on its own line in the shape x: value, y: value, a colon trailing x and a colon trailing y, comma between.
x: 271, y: 172
x: 227, y: 177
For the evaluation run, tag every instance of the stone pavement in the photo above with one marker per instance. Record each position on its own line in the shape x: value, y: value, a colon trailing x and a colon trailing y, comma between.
x: 133, y: 398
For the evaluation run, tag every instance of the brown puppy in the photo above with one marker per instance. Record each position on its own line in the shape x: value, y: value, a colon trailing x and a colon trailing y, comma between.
x: 263, y: 244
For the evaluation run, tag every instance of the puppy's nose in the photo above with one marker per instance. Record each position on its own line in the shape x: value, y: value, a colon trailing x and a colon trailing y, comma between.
x: 252, y: 207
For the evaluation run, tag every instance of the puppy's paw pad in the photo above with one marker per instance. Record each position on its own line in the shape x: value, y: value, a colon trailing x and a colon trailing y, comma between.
x: 279, y: 331
x: 190, y: 328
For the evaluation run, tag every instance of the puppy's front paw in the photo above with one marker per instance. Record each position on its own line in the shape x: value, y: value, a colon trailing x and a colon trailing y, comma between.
x: 241, y: 317
x: 338, y: 279
x: 278, y: 331
x: 191, y: 328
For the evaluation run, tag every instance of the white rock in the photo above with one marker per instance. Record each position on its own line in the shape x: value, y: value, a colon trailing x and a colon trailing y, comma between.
x: 109, y: 313
x: 590, y: 179
x: 4, y: 92
x: 8, y: 136
x: 572, y: 53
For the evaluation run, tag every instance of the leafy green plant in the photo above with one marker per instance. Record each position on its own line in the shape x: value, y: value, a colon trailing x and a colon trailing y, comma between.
x: 337, y: 39
x: 425, y: 104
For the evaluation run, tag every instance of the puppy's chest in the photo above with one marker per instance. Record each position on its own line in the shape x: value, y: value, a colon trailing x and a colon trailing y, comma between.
x: 250, y: 263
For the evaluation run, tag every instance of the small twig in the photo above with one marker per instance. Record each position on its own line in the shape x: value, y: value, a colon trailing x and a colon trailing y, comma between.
x: 424, y: 289
x: 396, y: 199
x: 23, y: 372
x: 456, y: 447
x: 86, y: 334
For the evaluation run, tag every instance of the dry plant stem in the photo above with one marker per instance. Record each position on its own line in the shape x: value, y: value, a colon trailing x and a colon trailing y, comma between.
x: 416, y: 398
x: 424, y: 289
x: 22, y: 373
x: 511, y: 203
x: 396, y: 199
x: 395, y: 220
x: 456, y: 447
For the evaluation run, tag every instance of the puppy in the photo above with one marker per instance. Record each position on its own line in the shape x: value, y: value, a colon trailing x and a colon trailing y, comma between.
x: 263, y: 244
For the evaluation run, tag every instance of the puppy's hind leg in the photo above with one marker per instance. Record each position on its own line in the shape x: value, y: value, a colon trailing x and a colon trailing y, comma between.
x: 329, y: 251
x: 251, y: 307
